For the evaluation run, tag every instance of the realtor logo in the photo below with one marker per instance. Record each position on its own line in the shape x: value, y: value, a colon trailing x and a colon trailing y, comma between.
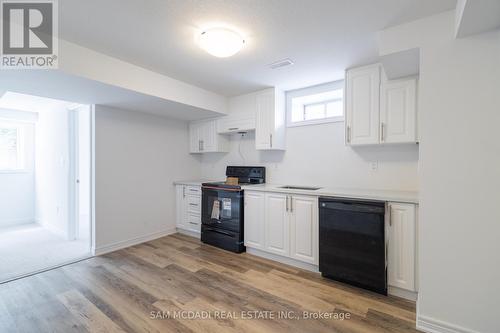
x: 29, y: 34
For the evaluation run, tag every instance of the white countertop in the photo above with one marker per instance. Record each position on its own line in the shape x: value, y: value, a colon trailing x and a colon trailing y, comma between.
x: 371, y: 194
x: 384, y: 195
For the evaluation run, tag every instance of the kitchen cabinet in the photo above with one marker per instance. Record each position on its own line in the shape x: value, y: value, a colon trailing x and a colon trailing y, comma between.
x: 362, y: 105
x: 234, y: 123
x: 255, y: 215
x: 241, y: 115
x: 377, y: 110
x: 401, y: 269
x: 270, y: 130
x: 188, y: 208
x: 203, y: 137
x: 398, y: 111
x: 283, y: 224
x: 277, y: 237
x: 304, y: 228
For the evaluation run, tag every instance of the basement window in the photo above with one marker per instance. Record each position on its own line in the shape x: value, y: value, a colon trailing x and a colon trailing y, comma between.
x: 315, y: 105
x: 11, y: 146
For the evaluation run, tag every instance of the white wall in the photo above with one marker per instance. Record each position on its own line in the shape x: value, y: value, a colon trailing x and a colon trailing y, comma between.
x: 459, y: 174
x: 52, y: 170
x: 138, y: 156
x: 17, y: 189
x: 316, y: 155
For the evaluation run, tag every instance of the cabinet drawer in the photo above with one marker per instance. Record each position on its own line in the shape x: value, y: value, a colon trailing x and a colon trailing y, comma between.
x: 193, y: 220
x: 193, y: 204
x: 193, y: 190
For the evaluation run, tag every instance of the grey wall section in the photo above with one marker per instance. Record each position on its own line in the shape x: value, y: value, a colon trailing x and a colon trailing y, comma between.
x: 137, y: 158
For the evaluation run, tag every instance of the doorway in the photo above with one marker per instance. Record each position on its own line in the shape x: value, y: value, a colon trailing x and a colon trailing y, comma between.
x: 45, y: 184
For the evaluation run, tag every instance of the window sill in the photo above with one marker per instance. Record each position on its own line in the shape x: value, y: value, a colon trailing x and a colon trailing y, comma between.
x: 316, y: 122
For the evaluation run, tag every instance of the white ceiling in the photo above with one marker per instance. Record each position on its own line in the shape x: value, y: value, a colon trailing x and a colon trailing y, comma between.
x: 322, y: 37
x: 74, y: 89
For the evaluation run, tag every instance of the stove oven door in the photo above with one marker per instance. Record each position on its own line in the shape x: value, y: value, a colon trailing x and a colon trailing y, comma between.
x: 222, y: 209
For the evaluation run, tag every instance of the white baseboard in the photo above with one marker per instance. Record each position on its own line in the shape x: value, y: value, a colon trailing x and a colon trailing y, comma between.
x: 189, y: 233
x: 284, y: 260
x: 103, y: 249
x: 431, y: 325
x: 15, y: 222
x: 406, y: 294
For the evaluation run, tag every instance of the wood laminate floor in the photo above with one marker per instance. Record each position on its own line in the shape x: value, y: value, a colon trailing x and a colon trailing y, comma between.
x: 177, y: 284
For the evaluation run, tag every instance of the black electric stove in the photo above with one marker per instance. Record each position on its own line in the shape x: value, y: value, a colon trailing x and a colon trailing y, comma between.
x: 222, y: 208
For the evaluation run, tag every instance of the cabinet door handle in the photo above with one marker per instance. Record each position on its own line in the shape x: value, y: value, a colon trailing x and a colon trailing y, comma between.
x: 382, y: 132
x: 233, y: 128
x: 184, y: 191
x: 202, y: 145
x: 348, y: 134
x: 193, y: 204
x: 271, y: 140
x: 291, y: 204
x: 199, y: 145
x: 193, y: 223
x: 287, y: 203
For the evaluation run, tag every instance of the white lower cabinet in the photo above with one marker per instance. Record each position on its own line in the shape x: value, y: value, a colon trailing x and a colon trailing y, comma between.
x: 401, y: 230
x: 283, y: 224
x: 277, y: 224
x: 188, y: 208
x: 255, y: 215
x: 304, y: 232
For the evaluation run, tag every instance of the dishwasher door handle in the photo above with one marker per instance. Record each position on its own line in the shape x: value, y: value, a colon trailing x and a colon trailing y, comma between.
x: 353, y: 207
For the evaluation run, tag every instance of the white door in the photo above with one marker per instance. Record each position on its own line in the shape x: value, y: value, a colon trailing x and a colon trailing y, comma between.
x: 277, y: 229
x: 255, y: 216
x: 401, y: 246
x: 398, y: 111
x: 194, y: 137
x: 362, y: 105
x: 304, y: 228
x: 209, y: 136
x: 264, y: 120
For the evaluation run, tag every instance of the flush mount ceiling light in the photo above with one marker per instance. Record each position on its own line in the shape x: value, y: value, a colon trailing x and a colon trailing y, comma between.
x: 221, y: 42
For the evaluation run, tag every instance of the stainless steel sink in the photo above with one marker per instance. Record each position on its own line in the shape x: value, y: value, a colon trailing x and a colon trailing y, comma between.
x: 306, y: 188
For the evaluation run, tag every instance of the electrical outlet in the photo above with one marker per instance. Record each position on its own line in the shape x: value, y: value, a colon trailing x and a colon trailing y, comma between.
x: 374, y: 166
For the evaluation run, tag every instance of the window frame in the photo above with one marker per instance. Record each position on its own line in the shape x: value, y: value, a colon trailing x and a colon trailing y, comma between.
x: 21, y: 166
x: 312, y: 90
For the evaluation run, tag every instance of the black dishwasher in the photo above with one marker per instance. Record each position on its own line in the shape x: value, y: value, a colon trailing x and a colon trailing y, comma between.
x: 352, y: 242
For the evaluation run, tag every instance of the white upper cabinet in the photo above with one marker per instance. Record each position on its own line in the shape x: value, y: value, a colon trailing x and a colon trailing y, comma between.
x: 241, y: 117
x: 401, y: 246
x: 237, y: 122
x: 254, y: 219
x: 362, y: 105
x: 203, y: 137
x: 270, y: 128
x: 377, y: 110
x: 398, y: 111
